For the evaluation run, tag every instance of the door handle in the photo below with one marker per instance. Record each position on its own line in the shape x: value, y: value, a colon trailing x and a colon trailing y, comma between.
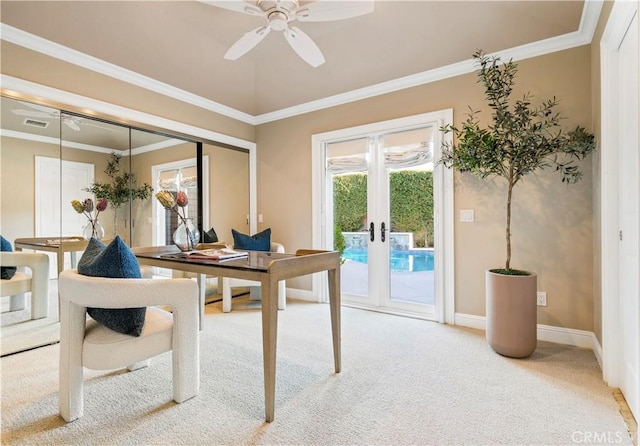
x: 382, y: 230
x: 372, y: 234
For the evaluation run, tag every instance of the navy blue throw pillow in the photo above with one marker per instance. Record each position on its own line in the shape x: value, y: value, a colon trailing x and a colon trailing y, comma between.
x: 6, y: 272
x: 114, y: 261
x: 257, y: 242
x: 210, y: 236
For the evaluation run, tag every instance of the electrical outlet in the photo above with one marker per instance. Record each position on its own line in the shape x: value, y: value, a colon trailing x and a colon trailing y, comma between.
x: 542, y: 299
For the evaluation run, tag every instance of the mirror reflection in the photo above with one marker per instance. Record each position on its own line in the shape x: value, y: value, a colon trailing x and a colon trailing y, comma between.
x: 50, y: 158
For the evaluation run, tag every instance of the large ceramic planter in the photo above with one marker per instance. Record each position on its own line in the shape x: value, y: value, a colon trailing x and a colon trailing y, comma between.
x: 512, y: 314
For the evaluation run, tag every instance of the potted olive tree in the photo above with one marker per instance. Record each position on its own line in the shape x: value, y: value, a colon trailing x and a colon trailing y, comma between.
x: 520, y: 139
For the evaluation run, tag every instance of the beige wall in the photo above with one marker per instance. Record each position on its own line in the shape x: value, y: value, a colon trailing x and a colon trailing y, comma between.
x: 17, y: 188
x: 553, y: 228
x: 552, y: 223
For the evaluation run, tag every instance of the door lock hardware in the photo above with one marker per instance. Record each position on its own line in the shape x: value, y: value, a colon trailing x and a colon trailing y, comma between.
x: 382, y: 230
x: 372, y: 234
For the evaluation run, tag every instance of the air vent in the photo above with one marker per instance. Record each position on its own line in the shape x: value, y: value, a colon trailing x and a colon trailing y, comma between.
x: 36, y: 123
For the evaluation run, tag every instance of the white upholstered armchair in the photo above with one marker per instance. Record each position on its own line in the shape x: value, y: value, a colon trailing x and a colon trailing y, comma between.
x: 35, y: 281
x: 85, y: 343
x: 254, y: 287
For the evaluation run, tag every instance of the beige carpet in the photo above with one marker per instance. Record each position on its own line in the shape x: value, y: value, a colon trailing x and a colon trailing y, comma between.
x: 404, y: 382
x: 18, y: 332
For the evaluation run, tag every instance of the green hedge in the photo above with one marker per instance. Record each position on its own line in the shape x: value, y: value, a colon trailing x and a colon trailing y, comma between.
x: 411, y: 203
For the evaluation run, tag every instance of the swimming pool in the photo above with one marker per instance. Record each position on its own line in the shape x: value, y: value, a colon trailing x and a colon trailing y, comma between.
x: 410, y: 260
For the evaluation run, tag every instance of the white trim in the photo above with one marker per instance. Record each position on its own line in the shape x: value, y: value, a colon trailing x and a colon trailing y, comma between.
x: 597, y: 350
x: 44, y: 46
x: 306, y: 295
x: 621, y: 16
x: 583, y: 36
x: 548, y: 333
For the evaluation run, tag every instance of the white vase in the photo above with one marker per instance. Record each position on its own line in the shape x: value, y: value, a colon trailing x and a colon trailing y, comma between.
x: 93, y: 230
x: 186, y: 236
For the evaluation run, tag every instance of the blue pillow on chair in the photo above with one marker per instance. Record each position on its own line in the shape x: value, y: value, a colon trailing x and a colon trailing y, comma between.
x: 257, y: 242
x: 114, y: 261
x: 6, y: 272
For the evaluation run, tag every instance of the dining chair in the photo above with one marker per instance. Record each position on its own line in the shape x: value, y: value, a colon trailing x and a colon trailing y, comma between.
x: 86, y: 343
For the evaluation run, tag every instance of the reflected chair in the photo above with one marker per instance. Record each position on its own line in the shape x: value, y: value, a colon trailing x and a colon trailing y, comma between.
x: 35, y: 281
x: 254, y: 287
x: 86, y: 343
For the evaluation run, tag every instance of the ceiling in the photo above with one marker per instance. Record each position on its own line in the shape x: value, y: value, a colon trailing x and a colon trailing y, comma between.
x: 182, y: 43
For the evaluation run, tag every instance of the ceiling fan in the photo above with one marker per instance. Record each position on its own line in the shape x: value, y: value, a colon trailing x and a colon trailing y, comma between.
x: 278, y: 15
x: 42, y: 112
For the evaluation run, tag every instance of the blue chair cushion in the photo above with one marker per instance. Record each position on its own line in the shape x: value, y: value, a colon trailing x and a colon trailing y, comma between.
x: 257, y: 242
x: 6, y: 272
x: 114, y: 261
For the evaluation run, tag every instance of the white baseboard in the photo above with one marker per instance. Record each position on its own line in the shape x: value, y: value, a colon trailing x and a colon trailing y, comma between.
x: 559, y: 335
x: 301, y: 294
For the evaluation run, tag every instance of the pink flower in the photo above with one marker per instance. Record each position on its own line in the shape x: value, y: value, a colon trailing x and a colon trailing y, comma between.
x: 181, y: 199
x: 102, y: 204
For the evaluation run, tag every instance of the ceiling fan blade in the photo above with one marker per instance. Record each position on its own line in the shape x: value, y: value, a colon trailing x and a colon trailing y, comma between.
x: 247, y: 42
x: 324, y: 11
x: 304, y: 46
x: 236, y: 6
x: 33, y: 114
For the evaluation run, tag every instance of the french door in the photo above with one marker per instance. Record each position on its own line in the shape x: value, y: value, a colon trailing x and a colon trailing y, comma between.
x: 383, y: 200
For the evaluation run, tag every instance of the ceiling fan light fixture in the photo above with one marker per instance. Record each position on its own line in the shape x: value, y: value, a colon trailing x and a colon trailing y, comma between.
x: 278, y: 20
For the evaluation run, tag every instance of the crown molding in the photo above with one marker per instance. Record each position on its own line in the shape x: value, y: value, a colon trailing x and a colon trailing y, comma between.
x: 22, y: 38
x: 583, y: 36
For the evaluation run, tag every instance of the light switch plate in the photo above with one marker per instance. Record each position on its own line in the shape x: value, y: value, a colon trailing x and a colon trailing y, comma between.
x: 467, y: 215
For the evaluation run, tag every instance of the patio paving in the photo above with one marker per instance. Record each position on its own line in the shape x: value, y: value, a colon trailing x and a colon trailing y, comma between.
x: 406, y: 286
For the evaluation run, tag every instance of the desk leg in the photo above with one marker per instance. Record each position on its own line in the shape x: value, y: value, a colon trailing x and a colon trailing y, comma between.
x: 269, y: 337
x: 60, y: 257
x: 74, y: 261
x: 202, y: 288
x: 333, y: 276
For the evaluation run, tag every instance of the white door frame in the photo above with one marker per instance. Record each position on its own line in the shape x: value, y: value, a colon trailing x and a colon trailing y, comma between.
x: 443, y: 209
x: 621, y: 16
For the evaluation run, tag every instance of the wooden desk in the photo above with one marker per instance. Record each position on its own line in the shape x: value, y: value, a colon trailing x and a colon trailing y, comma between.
x: 67, y: 244
x: 268, y: 268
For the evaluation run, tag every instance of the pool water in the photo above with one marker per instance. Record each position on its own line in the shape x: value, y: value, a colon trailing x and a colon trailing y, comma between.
x: 411, y: 260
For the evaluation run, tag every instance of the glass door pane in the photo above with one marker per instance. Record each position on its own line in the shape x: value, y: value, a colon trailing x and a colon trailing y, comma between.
x: 408, y: 161
x: 347, y: 171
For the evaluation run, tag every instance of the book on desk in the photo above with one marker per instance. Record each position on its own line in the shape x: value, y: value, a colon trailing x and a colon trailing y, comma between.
x: 218, y: 254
